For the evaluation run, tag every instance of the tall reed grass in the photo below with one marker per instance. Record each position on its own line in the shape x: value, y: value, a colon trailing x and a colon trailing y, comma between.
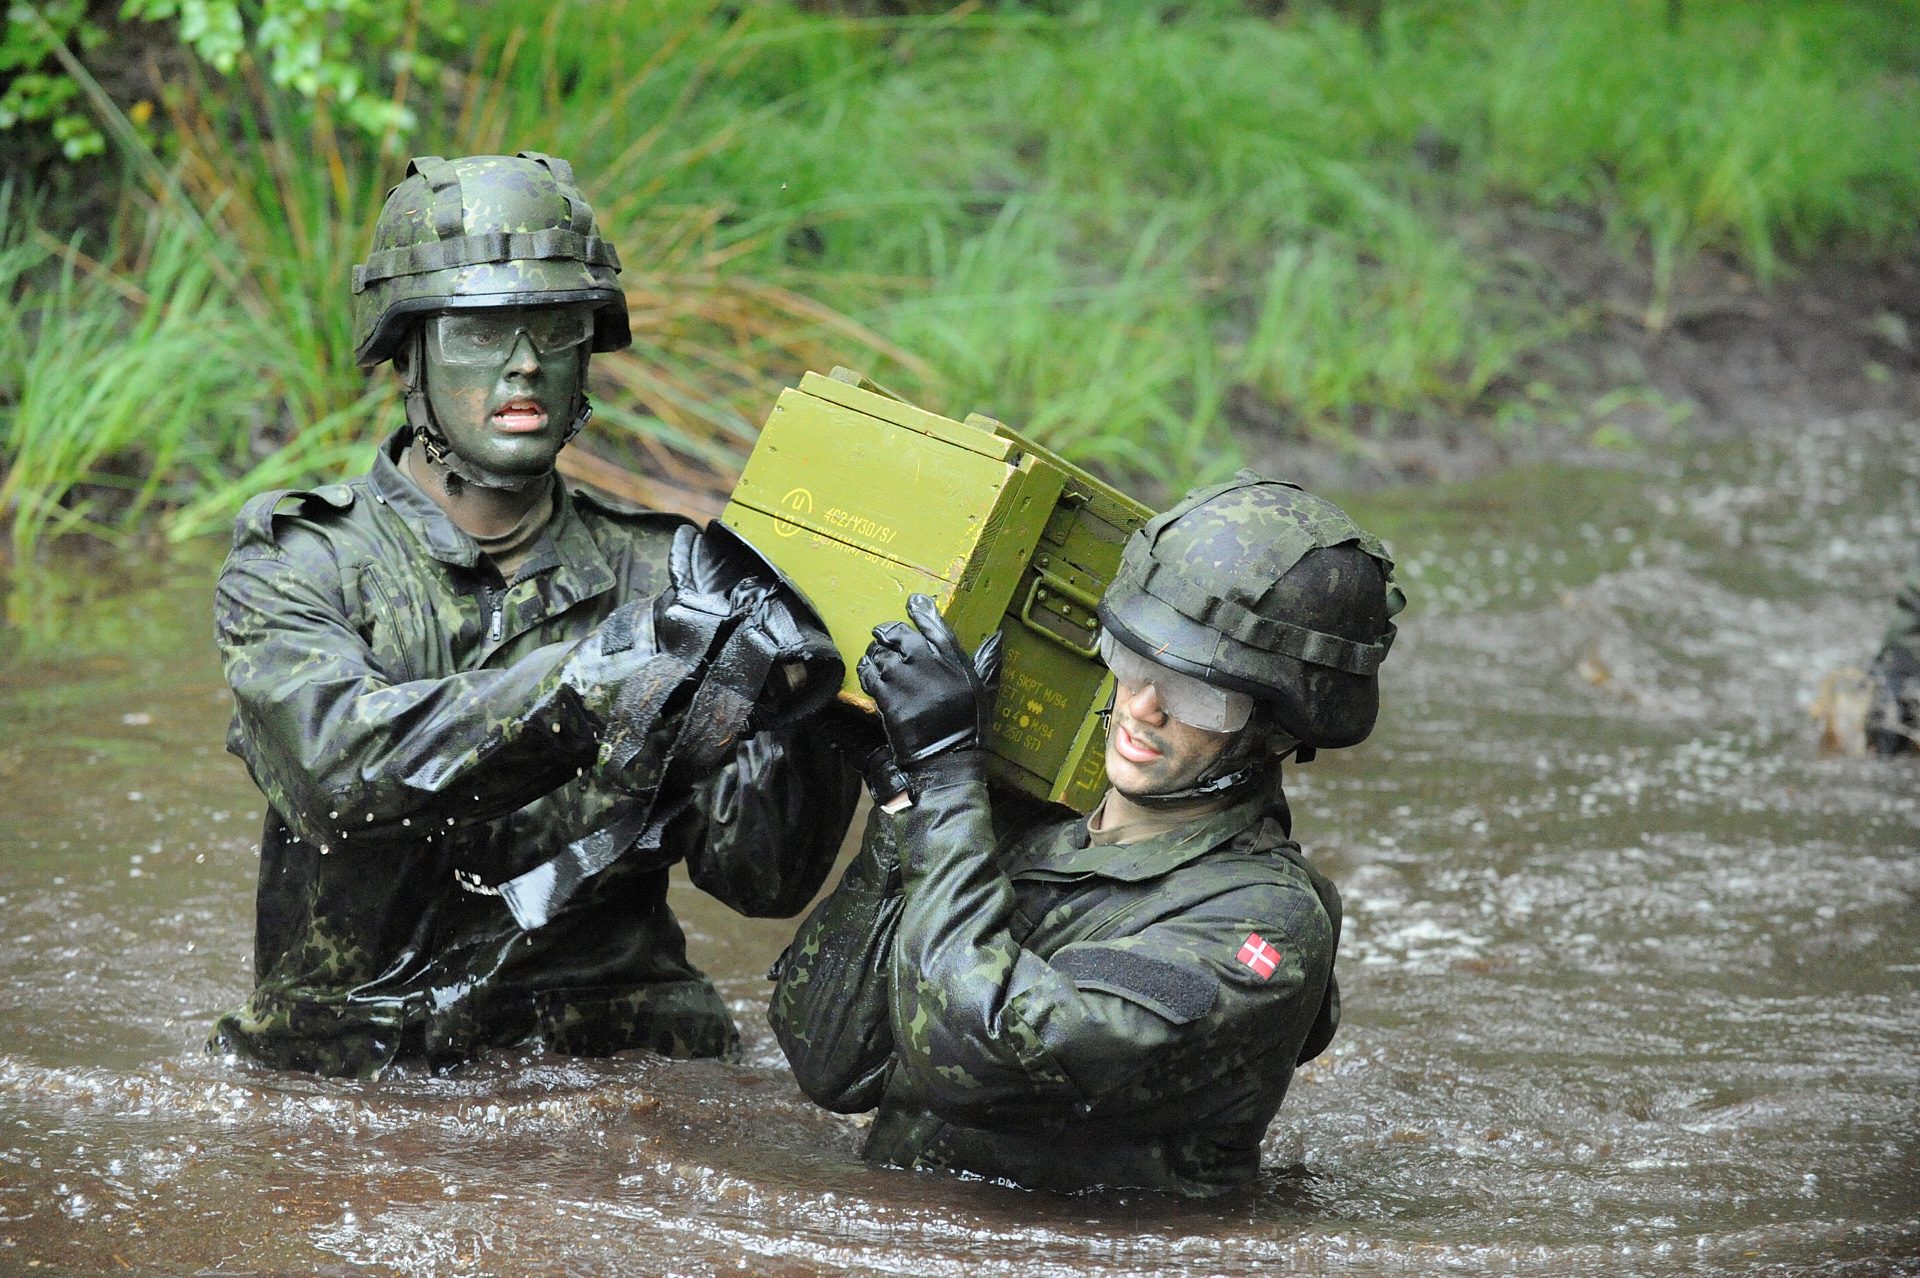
x: 1115, y: 226
x: 107, y: 380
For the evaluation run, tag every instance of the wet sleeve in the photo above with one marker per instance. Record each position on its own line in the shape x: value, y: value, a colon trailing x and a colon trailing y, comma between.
x: 829, y: 1009
x: 340, y: 751
x: 992, y: 1033
x: 776, y: 817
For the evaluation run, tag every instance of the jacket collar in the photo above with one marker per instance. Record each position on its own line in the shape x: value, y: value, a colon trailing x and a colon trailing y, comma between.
x: 1070, y: 855
x: 566, y: 547
x: 391, y: 485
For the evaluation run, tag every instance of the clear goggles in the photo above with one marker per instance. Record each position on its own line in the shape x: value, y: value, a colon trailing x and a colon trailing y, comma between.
x: 1183, y: 697
x: 488, y: 336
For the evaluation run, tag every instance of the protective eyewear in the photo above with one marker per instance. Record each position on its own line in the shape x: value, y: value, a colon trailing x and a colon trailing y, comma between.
x: 488, y: 337
x: 1183, y: 697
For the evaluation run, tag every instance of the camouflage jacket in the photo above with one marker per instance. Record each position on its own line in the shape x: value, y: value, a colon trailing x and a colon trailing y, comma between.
x: 1064, y: 1015
x: 1903, y: 631
x: 1893, y: 708
x: 402, y: 710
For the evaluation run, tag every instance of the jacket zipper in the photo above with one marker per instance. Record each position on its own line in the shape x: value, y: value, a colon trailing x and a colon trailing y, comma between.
x: 493, y: 603
x: 384, y: 604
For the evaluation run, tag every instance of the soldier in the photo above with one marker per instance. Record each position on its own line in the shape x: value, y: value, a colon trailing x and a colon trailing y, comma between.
x: 1119, y: 1000
x: 488, y: 712
x: 1893, y: 714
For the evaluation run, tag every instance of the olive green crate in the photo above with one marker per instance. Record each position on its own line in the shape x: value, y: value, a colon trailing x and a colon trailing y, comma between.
x: 864, y: 499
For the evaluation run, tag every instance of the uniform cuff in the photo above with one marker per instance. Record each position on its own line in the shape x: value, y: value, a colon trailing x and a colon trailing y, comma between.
x: 952, y: 767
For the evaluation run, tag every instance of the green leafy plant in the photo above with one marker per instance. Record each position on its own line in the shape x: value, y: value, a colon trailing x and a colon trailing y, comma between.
x: 320, y: 48
x: 40, y: 95
x: 346, y: 54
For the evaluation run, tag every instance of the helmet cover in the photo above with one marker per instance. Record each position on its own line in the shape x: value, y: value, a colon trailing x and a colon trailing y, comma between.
x: 484, y: 231
x: 1258, y: 586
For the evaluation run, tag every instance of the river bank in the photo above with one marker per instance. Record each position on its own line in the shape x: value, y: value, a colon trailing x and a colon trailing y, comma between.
x: 1728, y: 357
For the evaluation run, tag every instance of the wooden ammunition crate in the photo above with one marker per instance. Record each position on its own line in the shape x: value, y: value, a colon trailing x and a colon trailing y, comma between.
x: 865, y: 499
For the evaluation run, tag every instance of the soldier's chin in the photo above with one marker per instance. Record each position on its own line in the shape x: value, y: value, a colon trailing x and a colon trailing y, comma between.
x: 532, y: 467
x: 1137, y: 788
x: 1162, y: 796
x: 533, y: 458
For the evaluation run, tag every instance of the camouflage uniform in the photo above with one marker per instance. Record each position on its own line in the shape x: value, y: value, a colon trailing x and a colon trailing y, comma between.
x: 1063, y: 1014
x: 1023, y: 998
x: 402, y: 709
x: 1893, y: 724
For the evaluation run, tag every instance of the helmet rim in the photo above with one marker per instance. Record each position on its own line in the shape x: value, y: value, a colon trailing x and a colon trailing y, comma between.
x: 491, y: 231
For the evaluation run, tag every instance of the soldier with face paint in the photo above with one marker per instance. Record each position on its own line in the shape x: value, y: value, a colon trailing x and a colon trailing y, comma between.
x: 487, y: 712
x: 1893, y: 713
x: 1119, y: 1000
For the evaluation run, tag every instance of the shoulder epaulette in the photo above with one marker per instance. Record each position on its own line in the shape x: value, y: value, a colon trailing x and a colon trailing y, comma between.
x: 607, y: 504
x: 254, y: 526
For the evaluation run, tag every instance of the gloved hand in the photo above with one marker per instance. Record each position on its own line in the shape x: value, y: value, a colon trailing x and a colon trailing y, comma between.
x: 763, y: 658
x: 640, y: 664
x: 709, y: 587
x: 804, y: 669
x: 932, y: 699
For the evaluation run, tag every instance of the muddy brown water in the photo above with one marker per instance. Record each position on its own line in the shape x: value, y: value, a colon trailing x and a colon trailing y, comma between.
x: 1632, y: 970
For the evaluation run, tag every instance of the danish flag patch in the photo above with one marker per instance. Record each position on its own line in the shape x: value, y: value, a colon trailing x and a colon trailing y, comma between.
x: 1259, y: 956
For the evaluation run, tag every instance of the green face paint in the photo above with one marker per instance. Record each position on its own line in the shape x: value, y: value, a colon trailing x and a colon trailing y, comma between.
x: 505, y: 383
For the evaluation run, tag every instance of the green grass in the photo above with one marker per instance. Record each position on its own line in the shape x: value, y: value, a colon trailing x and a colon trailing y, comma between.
x: 1003, y: 173
x: 1763, y: 129
x: 121, y: 392
x: 1116, y: 227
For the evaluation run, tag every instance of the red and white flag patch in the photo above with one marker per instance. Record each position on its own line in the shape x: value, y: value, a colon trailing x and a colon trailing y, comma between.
x: 1259, y: 956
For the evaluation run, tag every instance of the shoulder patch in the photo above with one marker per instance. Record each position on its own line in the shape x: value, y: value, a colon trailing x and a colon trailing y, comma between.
x: 1175, y: 991
x: 1258, y: 955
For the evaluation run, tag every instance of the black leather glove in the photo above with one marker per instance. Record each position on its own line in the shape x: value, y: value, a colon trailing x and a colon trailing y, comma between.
x: 932, y: 699
x: 765, y: 659
x: 804, y: 668
x: 639, y: 666
x: 699, y: 607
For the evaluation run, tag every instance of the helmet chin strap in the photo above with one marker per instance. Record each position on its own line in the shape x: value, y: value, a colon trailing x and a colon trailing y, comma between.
x: 1246, y: 762
x: 1227, y: 786
x: 440, y: 452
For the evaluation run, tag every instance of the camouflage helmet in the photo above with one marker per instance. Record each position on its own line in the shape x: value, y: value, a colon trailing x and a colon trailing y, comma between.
x: 483, y: 231
x: 1257, y: 586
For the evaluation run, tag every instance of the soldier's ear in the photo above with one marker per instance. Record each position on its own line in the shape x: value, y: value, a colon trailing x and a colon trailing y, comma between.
x: 407, y: 358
